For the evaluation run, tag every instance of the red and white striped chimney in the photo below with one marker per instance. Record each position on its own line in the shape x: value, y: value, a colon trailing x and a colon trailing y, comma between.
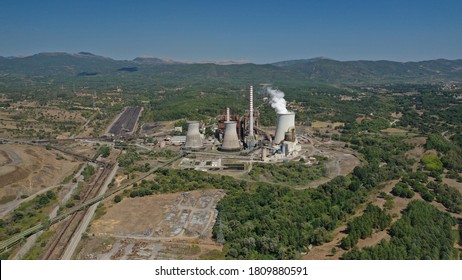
x: 251, y: 117
x: 251, y: 98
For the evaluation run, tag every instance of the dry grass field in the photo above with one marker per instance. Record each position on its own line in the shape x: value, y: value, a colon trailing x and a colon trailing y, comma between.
x: 27, y: 169
x: 319, y: 124
x: 28, y: 119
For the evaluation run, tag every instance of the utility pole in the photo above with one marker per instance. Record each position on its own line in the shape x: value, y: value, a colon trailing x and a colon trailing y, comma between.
x: 220, y: 237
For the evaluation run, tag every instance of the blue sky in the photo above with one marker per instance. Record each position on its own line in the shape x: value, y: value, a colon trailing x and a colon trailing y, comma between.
x: 255, y: 31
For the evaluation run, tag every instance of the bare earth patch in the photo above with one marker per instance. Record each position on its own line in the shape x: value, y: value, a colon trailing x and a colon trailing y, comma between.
x: 325, y: 251
x: 392, y: 130
x: 32, y: 168
x: 166, y: 226
x: 453, y: 183
x: 319, y: 124
x: 417, y: 140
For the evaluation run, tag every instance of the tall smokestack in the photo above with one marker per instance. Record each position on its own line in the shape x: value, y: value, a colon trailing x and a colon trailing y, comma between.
x: 251, y: 136
x: 227, y: 114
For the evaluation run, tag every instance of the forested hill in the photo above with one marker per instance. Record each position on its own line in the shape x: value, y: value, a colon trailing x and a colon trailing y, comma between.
x: 361, y: 71
x: 323, y: 70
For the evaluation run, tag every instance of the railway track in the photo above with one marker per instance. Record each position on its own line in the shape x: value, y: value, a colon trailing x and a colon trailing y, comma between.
x: 14, y: 240
x: 61, y: 240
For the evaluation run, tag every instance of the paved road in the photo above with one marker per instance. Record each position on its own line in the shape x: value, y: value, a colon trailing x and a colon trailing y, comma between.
x: 87, y: 219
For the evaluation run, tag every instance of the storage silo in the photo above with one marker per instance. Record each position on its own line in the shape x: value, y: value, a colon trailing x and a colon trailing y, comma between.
x: 193, y: 137
x: 285, y: 123
x: 231, y: 141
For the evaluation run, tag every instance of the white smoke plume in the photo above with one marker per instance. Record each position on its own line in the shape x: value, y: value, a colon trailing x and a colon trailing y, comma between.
x: 277, y: 100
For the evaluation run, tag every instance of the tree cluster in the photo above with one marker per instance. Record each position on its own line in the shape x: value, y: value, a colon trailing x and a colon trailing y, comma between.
x: 274, y: 222
x: 128, y: 158
x: 104, y: 151
x: 88, y: 171
x: 372, y: 219
x: 402, y: 190
x: 293, y: 173
x: 432, y: 163
x: 449, y: 196
x: 26, y: 215
x: 423, y: 232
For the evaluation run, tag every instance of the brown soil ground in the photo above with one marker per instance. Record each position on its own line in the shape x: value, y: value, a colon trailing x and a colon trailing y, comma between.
x: 453, y: 183
x: 82, y: 149
x: 108, y: 248
x: 417, y: 140
x: 36, y: 168
x: 319, y: 124
x: 392, y: 130
x: 167, y: 226
x: 397, y: 115
x: 374, y: 239
x: 360, y: 119
x: 415, y: 153
x: 4, y: 158
x: 340, y: 162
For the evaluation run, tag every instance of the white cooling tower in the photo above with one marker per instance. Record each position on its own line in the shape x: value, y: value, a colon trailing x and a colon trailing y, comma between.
x: 230, y: 139
x: 193, y: 137
x: 285, y: 122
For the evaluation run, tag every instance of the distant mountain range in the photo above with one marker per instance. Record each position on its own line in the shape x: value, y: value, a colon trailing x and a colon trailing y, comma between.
x: 320, y: 69
x: 325, y: 69
x: 155, y: 60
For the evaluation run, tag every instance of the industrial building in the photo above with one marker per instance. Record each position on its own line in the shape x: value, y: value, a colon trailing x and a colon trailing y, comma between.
x: 243, y: 135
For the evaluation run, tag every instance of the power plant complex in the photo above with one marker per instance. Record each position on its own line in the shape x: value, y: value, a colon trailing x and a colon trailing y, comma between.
x: 243, y: 136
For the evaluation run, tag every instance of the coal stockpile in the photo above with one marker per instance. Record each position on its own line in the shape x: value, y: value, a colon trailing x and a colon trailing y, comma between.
x: 126, y: 122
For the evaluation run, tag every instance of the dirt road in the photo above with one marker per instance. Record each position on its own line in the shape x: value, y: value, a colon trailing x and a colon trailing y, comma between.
x: 340, y: 161
x: 14, y: 158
